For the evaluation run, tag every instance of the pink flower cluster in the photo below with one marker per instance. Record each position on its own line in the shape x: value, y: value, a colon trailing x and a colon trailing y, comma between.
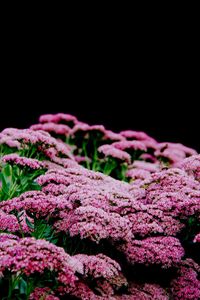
x: 86, y: 139
x: 129, y: 145
x: 23, y: 161
x: 165, y: 251
x: 197, y: 238
x: 26, y: 139
x: 95, y: 224
x: 43, y: 293
x: 186, y: 285
x: 9, y: 223
x: 99, y: 266
x: 36, y: 203
x: 191, y: 165
x: 145, y: 291
x: 111, y: 151
x: 52, y: 128
x: 59, y: 118
x: 7, y: 236
x: 173, y: 152
x: 30, y: 256
x: 136, y: 135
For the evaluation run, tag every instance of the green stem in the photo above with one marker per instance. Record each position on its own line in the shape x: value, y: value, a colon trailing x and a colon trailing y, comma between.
x: 95, y: 155
x: 30, y: 285
x: 109, y: 166
x: 85, y: 153
x: 123, y: 172
x: 13, y: 280
x: 13, y: 190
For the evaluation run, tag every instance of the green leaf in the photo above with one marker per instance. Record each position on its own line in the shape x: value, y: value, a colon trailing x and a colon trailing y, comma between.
x: 22, y: 286
x: 30, y: 225
x: 7, y: 170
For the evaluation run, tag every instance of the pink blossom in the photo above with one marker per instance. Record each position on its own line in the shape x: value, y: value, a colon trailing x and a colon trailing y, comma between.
x: 7, y: 236
x: 174, y: 152
x: 95, y: 224
x: 171, y: 180
x: 164, y: 251
x: 29, y: 256
x: 58, y: 118
x: 99, y: 266
x: 148, y: 157
x: 136, y: 135
x: 59, y: 129
x: 112, y: 136
x: 41, y: 139
x: 83, y: 292
x: 37, y: 203
x: 145, y: 291
x: 151, y: 167
x: 138, y: 174
x: 85, y: 129
x: 9, y: 142
x: 43, y: 293
x: 81, y: 159
x: 151, y: 220
x: 186, y: 285
x: 23, y: 161
x: 60, y: 163
x: 110, y: 151
x: 191, y: 165
x: 197, y: 238
x: 126, y: 145
x: 9, y: 222
x: 173, y: 191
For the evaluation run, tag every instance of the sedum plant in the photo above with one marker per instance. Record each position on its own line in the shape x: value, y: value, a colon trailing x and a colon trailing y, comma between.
x: 87, y: 213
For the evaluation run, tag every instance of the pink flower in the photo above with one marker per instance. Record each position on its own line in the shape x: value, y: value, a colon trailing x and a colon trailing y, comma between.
x: 58, y: 118
x: 174, y: 152
x: 138, y: 174
x: 191, y: 165
x: 23, y: 161
x: 84, y: 130
x: 35, y: 256
x: 143, y: 165
x: 148, y: 157
x: 54, y: 128
x: 197, y: 238
x: 112, y: 136
x: 186, y: 285
x: 99, y: 266
x: 43, y: 293
x: 37, y: 203
x: 9, y: 222
x: 39, y: 139
x: 164, y: 251
x: 83, y: 292
x: 95, y: 224
x: 81, y: 159
x: 146, y: 291
x: 109, y: 150
x: 126, y: 145
x: 7, y: 236
x: 151, y: 220
x: 136, y: 135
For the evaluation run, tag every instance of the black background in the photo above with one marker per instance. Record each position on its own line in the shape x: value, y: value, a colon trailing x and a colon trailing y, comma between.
x: 141, y: 79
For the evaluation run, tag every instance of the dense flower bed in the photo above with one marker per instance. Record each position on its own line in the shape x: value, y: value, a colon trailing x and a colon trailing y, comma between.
x: 87, y: 213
